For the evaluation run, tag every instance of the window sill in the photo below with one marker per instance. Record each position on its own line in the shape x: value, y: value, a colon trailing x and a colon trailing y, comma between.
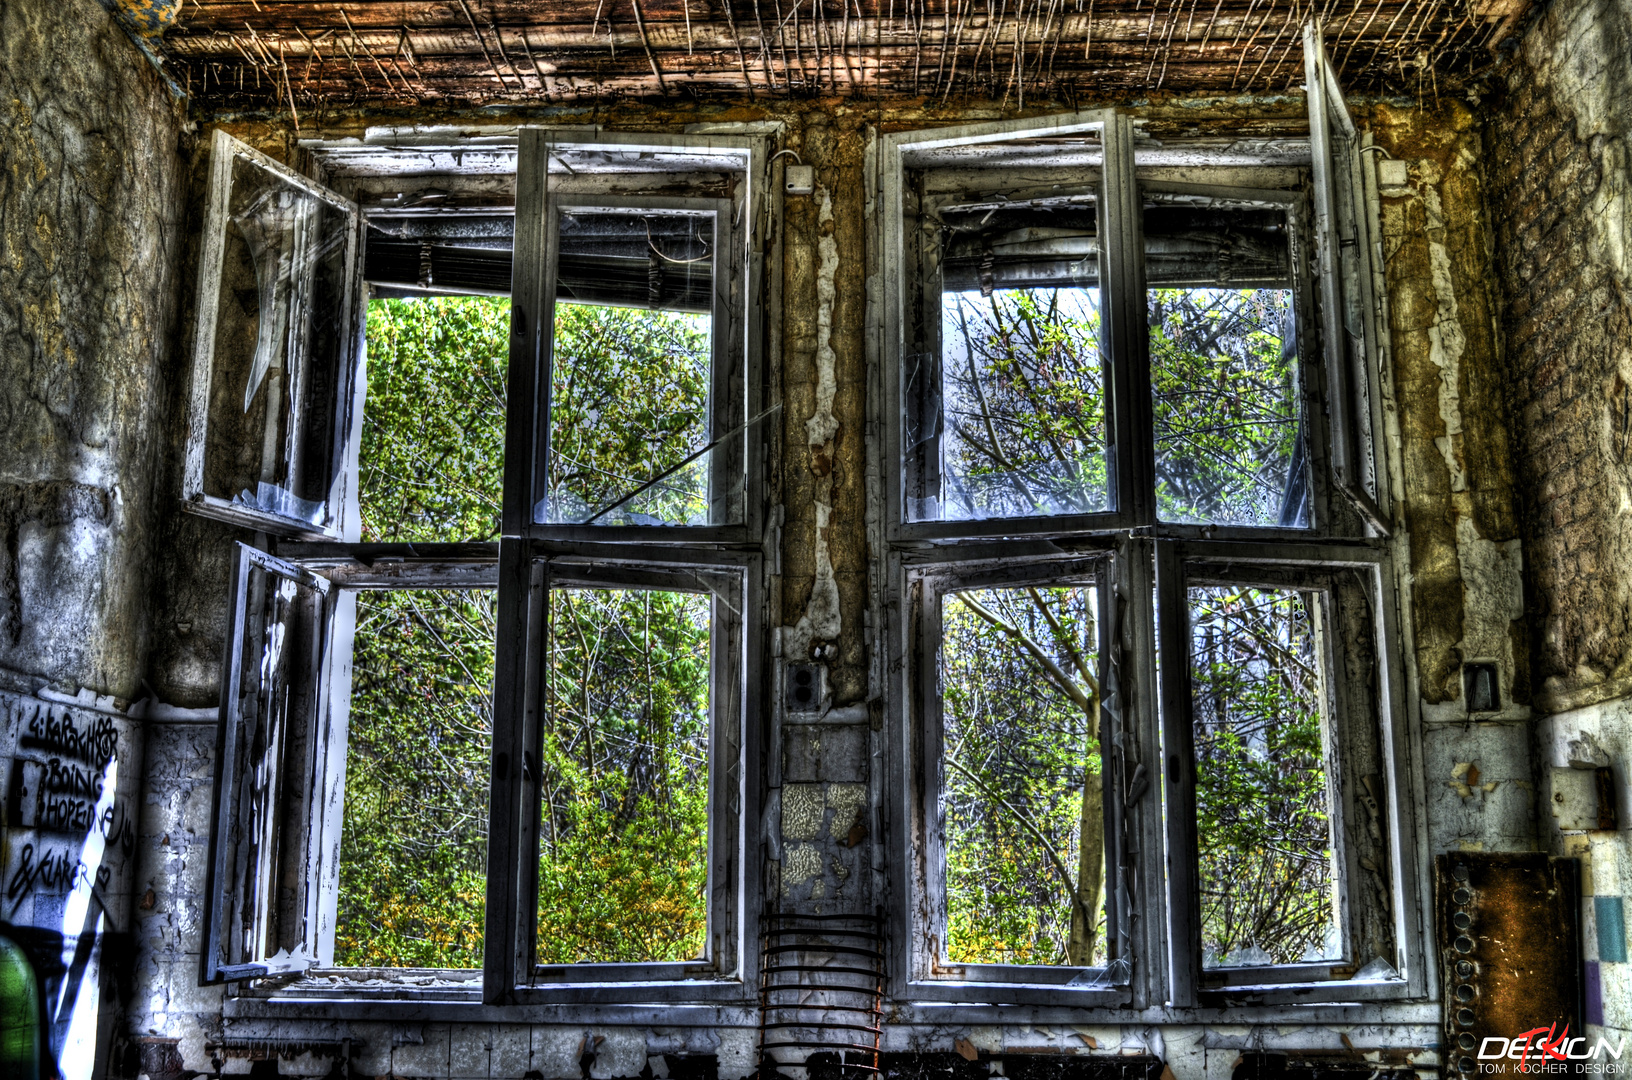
x: 1308, y: 993
x: 295, y: 1002
x: 360, y: 993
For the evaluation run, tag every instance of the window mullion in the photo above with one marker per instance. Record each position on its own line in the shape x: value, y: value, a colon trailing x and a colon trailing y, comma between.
x: 1178, y: 738
x: 513, y: 803
x: 1128, y: 338
x: 527, y: 404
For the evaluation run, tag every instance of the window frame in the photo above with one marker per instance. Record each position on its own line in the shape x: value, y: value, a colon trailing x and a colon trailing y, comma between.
x: 1348, y: 243
x: 1130, y: 749
x: 528, y: 570
x: 224, y: 151
x: 1348, y: 531
x: 738, y: 287
x: 1323, y: 522
x: 233, y: 887
x: 635, y: 555
x: 1177, y: 564
x: 1121, y: 271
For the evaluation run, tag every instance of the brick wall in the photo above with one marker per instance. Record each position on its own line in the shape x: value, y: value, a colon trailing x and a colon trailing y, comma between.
x: 1566, y: 328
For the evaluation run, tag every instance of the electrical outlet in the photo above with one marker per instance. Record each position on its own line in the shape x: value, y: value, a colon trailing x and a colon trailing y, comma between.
x: 1392, y: 173
x: 802, y: 690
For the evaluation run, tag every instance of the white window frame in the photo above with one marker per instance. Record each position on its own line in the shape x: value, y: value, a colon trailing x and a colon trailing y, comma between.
x: 224, y: 152
x: 738, y: 322
x: 723, y: 560
x: 528, y: 571
x: 1352, y: 532
x: 1130, y: 750
x: 1366, y: 761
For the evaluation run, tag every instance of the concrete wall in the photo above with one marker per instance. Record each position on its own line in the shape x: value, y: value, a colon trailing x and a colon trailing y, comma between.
x: 91, y: 193
x: 1561, y: 199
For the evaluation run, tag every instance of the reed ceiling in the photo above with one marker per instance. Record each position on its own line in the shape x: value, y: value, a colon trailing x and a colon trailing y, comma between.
x: 282, y: 54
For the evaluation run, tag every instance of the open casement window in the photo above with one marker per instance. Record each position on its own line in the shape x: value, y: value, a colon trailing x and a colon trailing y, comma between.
x: 1289, y: 872
x: 355, y: 749
x: 1349, y: 252
x: 1008, y: 267
x: 1029, y: 783
x: 632, y: 378
x: 618, y: 783
x: 274, y: 357
x: 1227, y: 276
x: 273, y: 771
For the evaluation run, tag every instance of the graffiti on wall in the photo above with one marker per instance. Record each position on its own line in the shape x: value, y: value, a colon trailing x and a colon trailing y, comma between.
x: 69, y: 768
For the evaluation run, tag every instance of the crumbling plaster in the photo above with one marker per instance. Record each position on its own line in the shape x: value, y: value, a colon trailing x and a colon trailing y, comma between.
x: 1451, y: 477
x: 91, y: 198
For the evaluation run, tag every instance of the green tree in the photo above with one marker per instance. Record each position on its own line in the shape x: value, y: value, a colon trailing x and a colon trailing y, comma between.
x: 623, y: 850
x: 1225, y: 404
x: 630, y: 401
x: 1023, y: 799
x: 1262, y: 811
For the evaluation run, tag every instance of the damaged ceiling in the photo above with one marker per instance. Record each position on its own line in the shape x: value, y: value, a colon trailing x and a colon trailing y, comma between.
x: 299, y: 55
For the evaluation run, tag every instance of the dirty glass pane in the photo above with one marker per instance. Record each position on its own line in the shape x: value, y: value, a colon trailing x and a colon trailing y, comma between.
x: 432, y: 456
x: 623, y: 844
x: 1022, y: 387
x: 633, y: 380
x: 280, y: 643
x: 280, y: 336
x: 1021, y: 798
x: 1263, y: 810
x: 1230, y: 446
x: 413, y: 846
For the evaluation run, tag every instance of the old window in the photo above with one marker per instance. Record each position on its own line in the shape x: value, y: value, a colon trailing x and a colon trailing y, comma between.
x: 506, y: 701
x: 1113, y: 406
x: 1018, y: 751
x: 1277, y: 704
x: 1225, y: 276
x: 274, y: 358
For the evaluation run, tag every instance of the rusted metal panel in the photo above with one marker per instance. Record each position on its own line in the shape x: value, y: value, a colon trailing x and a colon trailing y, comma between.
x: 1509, y: 938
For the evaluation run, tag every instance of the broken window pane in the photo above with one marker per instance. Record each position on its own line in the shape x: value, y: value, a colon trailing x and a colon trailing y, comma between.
x: 1263, y: 809
x: 273, y: 721
x: 281, y: 323
x: 1227, y: 400
x: 623, y: 844
x: 1021, y: 798
x: 633, y: 378
x: 432, y: 457
x: 413, y: 848
x: 1022, y: 387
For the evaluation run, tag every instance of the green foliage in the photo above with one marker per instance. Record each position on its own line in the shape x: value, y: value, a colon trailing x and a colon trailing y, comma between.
x: 432, y: 454
x: 630, y: 400
x: 1261, y: 786
x: 1017, y: 750
x: 623, y: 859
x: 1024, y: 403
x: 1226, y: 404
x: 413, y: 854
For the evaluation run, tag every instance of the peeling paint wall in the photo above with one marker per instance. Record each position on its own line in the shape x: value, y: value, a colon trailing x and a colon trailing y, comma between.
x: 825, y: 836
x: 91, y: 194
x: 90, y: 198
x: 1561, y: 198
x: 91, y: 503
x: 1454, y: 482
